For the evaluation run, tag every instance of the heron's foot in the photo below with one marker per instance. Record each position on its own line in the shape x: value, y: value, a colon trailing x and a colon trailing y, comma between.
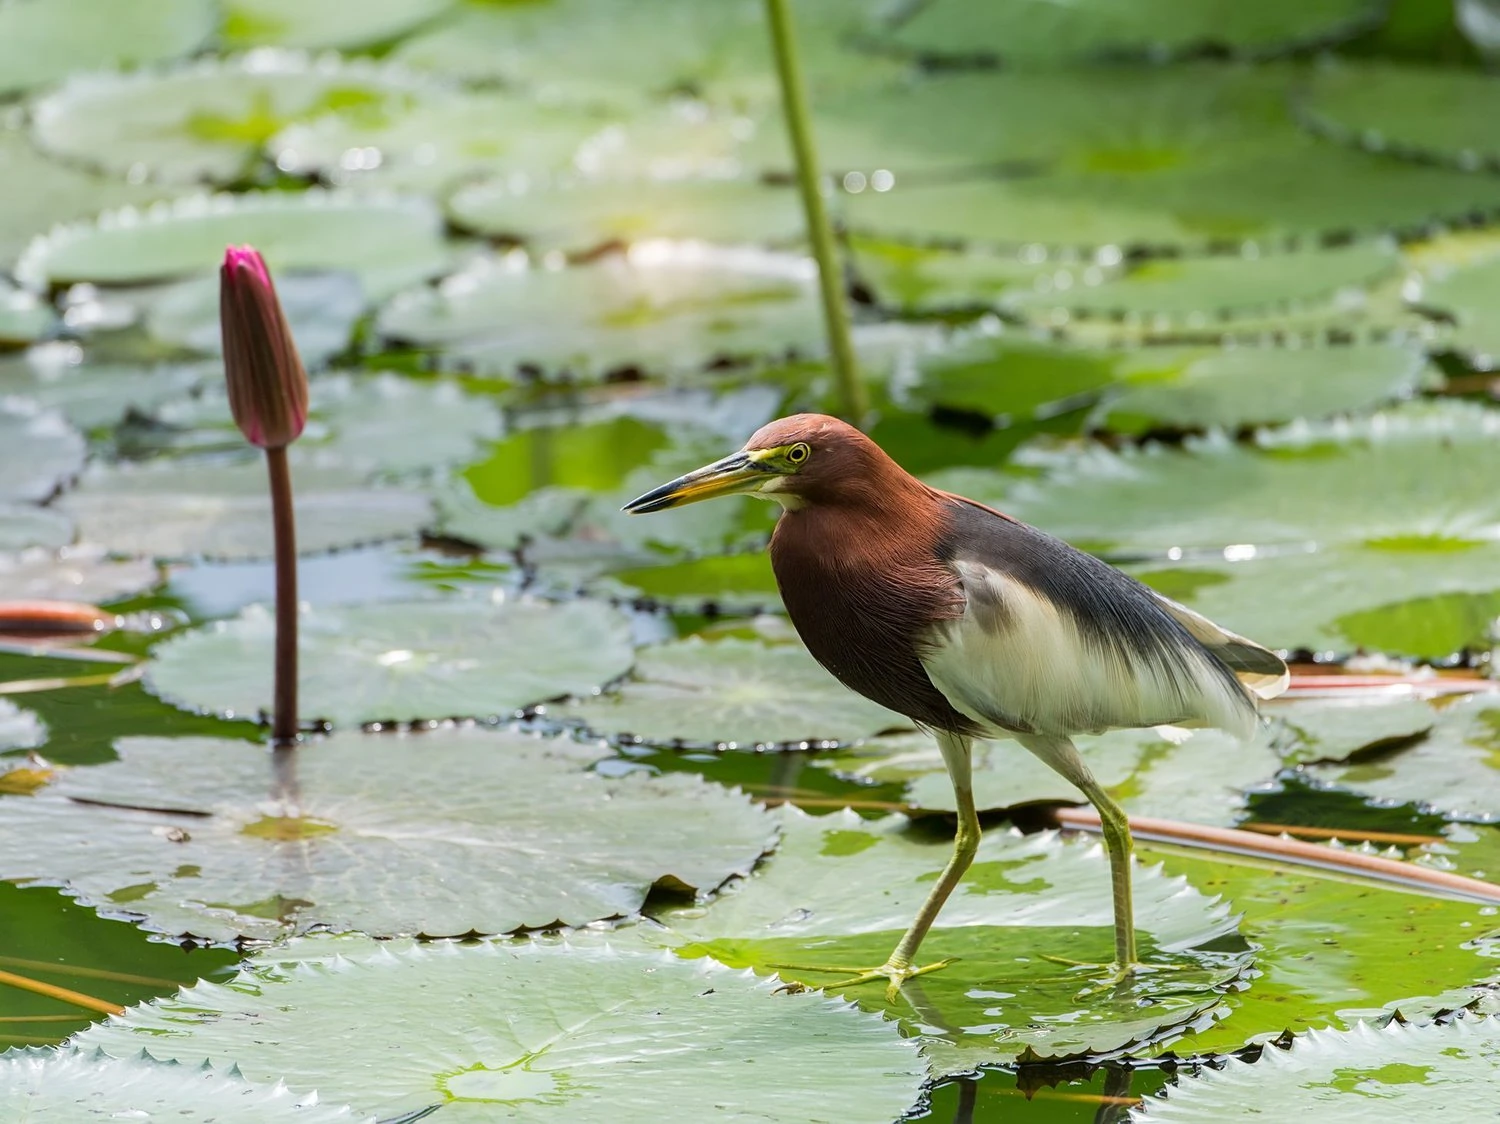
x: 1113, y: 975
x: 893, y: 973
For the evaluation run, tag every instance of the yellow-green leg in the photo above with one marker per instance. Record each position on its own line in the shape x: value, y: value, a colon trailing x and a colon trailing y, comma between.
x: 1062, y: 755
x: 898, y: 967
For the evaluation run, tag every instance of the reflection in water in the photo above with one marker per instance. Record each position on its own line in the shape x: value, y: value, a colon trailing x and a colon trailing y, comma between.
x: 1041, y: 1094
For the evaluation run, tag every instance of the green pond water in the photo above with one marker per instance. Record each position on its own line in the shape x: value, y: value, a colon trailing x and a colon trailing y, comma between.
x: 1204, y: 289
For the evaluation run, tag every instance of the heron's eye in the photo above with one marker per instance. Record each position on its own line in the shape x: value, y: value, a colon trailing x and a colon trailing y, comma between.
x: 798, y: 453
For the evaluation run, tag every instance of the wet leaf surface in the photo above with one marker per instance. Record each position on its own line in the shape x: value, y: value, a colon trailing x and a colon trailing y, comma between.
x: 220, y: 839
x: 539, y: 1029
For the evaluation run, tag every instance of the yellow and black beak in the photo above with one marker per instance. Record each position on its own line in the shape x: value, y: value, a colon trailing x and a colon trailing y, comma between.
x: 733, y: 475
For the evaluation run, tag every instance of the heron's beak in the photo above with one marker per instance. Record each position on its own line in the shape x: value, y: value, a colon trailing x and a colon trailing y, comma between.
x: 730, y: 476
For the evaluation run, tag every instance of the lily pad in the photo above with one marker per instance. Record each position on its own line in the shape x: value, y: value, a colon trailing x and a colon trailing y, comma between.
x: 75, y: 573
x: 923, y: 279
x: 1454, y: 770
x: 41, y: 451
x: 1234, y: 388
x: 1364, y: 1074
x: 581, y: 216
x: 662, y: 307
x: 182, y: 509
x: 340, y: 24
x: 73, y: 1085
x: 44, y: 41
x: 1197, y: 291
x: 92, y: 393
x: 205, y: 121
x: 1011, y: 379
x: 1467, y: 295
x: 219, y: 839
x: 1155, y: 30
x: 400, y: 660
x: 734, y: 694
x: 36, y: 193
x: 721, y: 584
x: 1415, y: 112
x: 387, y: 242
x: 23, y: 525
x: 1187, y: 156
x: 24, y: 317
x: 1336, y: 730
x: 618, y: 1025
x: 840, y: 890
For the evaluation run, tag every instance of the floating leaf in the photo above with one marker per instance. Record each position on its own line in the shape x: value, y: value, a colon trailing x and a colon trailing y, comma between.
x: 388, y: 243
x: 75, y: 573
x: 1468, y: 295
x: 321, y: 309
x: 92, y: 394
x: 1189, y: 156
x: 181, y: 509
x: 1364, y: 1074
x: 24, y: 317
x: 1454, y: 770
x: 722, y: 584
x: 64, y: 1086
x: 918, y: 279
x: 44, y: 42
x: 400, y: 660
x: 1150, y: 29
x: 537, y: 1030
x: 324, y: 23
x: 41, y: 451
x: 1000, y: 377
x: 207, y: 120
x: 585, y: 215
x: 22, y: 526
x: 215, y: 838
x: 1337, y: 729
x: 663, y: 307
x: 1199, y: 291
x: 734, y: 693
x: 1421, y: 113
x: 1234, y: 388
x: 840, y: 890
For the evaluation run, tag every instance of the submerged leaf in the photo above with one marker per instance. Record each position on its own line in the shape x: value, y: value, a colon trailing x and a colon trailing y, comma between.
x: 732, y: 693
x: 536, y: 1031
x: 1367, y: 1074
x: 401, y: 661
x: 441, y: 834
x: 82, y: 1085
x: 840, y: 890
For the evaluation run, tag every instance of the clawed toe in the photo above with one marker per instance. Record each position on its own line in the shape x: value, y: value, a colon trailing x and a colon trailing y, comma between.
x: 894, y: 974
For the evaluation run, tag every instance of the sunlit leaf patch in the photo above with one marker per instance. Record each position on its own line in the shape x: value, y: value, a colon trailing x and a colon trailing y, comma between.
x: 401, y: 661
x: 539, y: 1031
x: 77, y: 1086
x: 442, y: 833
x: 324, y: 23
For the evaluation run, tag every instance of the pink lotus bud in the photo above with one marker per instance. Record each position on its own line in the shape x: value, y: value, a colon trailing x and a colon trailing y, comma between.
x: 267, y: 385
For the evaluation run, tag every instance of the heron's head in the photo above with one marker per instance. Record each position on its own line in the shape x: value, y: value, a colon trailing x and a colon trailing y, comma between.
x: 796, y: 461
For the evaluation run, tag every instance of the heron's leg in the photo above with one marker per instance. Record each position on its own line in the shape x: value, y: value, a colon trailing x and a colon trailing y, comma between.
x: 1062, y: 755
x: 898, y: 967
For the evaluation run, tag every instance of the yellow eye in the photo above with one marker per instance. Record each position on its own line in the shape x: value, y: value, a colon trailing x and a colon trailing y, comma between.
x: 798, y: 453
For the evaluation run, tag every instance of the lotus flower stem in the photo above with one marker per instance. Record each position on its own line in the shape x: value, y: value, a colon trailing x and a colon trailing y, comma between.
x: 819, y: 233
x: 268, y: 397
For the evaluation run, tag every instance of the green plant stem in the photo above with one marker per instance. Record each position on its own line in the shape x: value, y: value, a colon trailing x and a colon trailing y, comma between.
x: 62, y: 994
x: 830, y: 275
x: 284, y: 530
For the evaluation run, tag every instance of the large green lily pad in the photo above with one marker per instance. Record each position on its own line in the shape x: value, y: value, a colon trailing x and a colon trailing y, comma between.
x: 24, y: 525
x: 923, y: 279
x: 44, y: 41
x: 1187, y: 156
x: 537, y: 1031
x: 205, y: 121
x: 41, y: 451
x: 1454, y: 770
x: 387, y: 242
x: 1366, y: 1074
x: 1416, y: 112
x: 1335, y: 730
x: 74, y: 1086
x: 840, y: 891
x: 1036, y: 31
x: 581, y: 216
x: 1467, y: 295
x: 24, y: 317
x: 662, y: 307
x: 75, y: 573
x: 185, y: 509
x: 736, y: 694
x: 1009, y: 378
x: 441, y: 833
x: 1234, y: 388
x: 399, y: 661
x: 92, y: 393
x: 324, y: 23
